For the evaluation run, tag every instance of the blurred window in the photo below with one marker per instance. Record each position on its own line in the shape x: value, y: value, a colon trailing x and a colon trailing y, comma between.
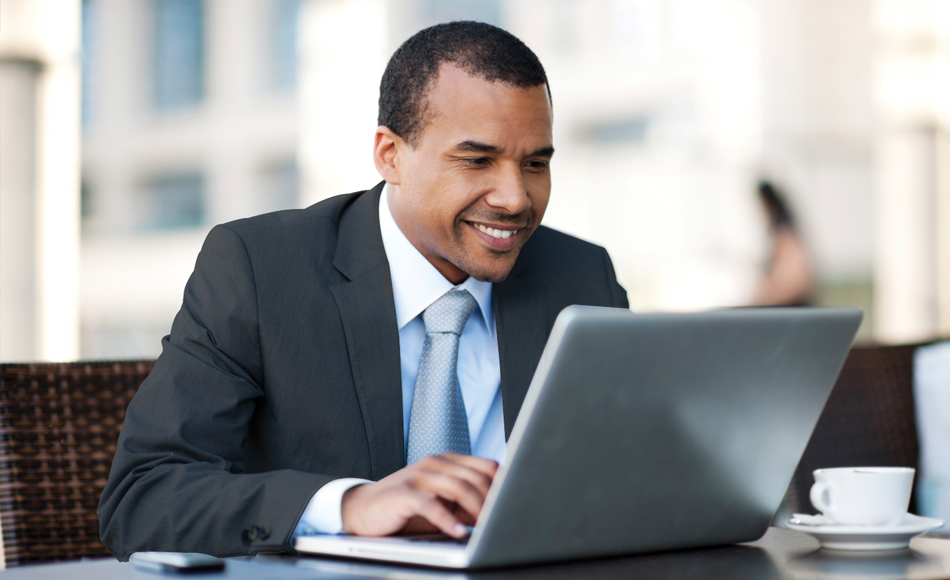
x: 447, y: 10
x: 616, y: 131
x: 284, y: 44
x: 89, y: 11
x: 85, y: 199
x: 281, y: 186
x: 179, y: 53
x: 174, y: 201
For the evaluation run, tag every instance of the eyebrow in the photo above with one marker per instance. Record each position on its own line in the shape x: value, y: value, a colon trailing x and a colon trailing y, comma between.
x: 476, y: 147
x: 543, y: 152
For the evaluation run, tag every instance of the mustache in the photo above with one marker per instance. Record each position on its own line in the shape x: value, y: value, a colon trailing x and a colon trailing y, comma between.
x: 524, y: 219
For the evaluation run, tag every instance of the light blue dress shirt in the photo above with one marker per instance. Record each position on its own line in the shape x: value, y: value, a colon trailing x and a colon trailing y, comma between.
x: 416, y: 285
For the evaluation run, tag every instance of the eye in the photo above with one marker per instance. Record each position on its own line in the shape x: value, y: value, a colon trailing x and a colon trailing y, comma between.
x: 538, y: 165
x: 477, y: 161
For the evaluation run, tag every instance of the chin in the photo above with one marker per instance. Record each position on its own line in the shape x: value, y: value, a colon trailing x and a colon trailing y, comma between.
x: 494, y: 273
x: 491, y: 277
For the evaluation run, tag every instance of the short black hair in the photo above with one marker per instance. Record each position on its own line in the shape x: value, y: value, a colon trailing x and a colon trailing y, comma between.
x: 774, y: 200
x: 479, y: 49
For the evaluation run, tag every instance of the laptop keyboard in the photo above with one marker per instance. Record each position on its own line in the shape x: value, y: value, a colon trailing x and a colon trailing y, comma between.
x: 436, y: 539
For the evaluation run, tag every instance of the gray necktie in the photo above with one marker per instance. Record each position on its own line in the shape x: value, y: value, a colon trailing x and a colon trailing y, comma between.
x: 437, y: 422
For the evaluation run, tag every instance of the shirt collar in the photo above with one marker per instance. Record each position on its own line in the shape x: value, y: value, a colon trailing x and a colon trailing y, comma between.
x: 416, y: 282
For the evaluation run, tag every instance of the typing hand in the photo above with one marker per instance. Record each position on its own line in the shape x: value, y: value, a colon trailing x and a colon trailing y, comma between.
x: 437, y: 493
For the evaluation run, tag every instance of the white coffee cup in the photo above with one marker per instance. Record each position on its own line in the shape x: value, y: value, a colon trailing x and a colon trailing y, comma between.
x: 864, y: 496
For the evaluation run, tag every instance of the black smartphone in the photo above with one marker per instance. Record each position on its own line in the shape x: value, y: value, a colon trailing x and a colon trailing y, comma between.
x: 176, y: 562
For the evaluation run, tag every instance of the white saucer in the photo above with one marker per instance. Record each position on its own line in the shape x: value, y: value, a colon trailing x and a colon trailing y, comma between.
x: 849, y: 537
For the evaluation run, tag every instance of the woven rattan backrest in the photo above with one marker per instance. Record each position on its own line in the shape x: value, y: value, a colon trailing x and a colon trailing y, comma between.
x: 59, y: 424
x: 868, y: 420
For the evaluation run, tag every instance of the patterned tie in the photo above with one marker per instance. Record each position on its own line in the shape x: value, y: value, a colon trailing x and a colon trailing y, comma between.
x: 437, y: 422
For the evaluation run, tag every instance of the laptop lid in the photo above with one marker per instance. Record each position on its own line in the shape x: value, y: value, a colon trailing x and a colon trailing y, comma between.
x: 646, y: 432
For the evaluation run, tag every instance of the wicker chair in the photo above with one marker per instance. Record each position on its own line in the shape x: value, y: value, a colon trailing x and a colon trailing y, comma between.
x: 869, y: 420
x: 59, y: 424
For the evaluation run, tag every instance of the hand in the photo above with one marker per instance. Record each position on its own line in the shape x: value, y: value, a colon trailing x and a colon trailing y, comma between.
x: 437, y: 493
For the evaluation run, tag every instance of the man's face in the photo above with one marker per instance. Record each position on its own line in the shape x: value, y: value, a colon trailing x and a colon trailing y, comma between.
x: 477, y: 182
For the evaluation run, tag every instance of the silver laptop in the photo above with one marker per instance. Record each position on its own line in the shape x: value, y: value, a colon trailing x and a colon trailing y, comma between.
x: 645, y: 432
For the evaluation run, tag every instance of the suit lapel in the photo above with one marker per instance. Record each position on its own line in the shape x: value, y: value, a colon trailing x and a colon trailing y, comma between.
x: 521, y: 321
x: 368, y: 311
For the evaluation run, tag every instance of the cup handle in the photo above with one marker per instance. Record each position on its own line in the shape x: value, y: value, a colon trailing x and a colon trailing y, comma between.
x: 823, y: 499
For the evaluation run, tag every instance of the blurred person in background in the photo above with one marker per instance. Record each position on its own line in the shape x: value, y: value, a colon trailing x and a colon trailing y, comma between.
x: 788, y: 279
x: 310, y: 382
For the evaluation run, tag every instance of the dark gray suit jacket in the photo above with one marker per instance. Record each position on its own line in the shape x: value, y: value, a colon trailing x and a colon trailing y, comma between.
x: 282, y: 373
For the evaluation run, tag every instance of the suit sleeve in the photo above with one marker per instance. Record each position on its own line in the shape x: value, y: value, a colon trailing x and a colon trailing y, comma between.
x: 177, y: 482
x: 618, y: 295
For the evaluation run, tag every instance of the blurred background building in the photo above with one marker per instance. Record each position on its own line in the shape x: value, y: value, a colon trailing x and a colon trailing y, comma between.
x: 129, y: 127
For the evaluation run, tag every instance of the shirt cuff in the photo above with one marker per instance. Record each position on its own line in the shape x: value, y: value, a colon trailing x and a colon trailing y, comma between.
x: 324, y: 512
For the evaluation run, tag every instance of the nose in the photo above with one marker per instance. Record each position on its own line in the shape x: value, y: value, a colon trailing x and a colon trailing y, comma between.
x: 509, y: 194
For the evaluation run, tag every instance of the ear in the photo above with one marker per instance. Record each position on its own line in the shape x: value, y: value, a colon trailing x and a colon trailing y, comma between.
x: 386, y: 153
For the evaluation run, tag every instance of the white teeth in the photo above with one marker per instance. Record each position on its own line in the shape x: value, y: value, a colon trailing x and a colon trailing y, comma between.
x: 502, y: 234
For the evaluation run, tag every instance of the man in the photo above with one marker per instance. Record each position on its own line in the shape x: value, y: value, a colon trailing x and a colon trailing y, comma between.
x: 311, y: 381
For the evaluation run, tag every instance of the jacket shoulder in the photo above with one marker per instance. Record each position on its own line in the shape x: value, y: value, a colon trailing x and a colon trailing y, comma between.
x: 572, y: 271
x: 326, y: 212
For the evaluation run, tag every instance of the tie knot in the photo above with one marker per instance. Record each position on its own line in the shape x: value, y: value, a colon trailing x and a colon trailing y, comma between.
x: 449, y: 313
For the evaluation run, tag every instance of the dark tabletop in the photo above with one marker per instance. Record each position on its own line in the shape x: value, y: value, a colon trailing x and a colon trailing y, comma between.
x: 780, y: 553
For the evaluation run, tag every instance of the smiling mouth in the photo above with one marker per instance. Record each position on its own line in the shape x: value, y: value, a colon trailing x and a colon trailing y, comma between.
x: 494, y: 232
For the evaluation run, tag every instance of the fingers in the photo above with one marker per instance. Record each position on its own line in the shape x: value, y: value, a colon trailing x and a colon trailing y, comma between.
x: 480, y: 464
x: 419, y: 525
x: 455, y: 490
x: 434, y: 511
x: 463, y: 480
x: 430, y: 489
x: 478, y: 474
